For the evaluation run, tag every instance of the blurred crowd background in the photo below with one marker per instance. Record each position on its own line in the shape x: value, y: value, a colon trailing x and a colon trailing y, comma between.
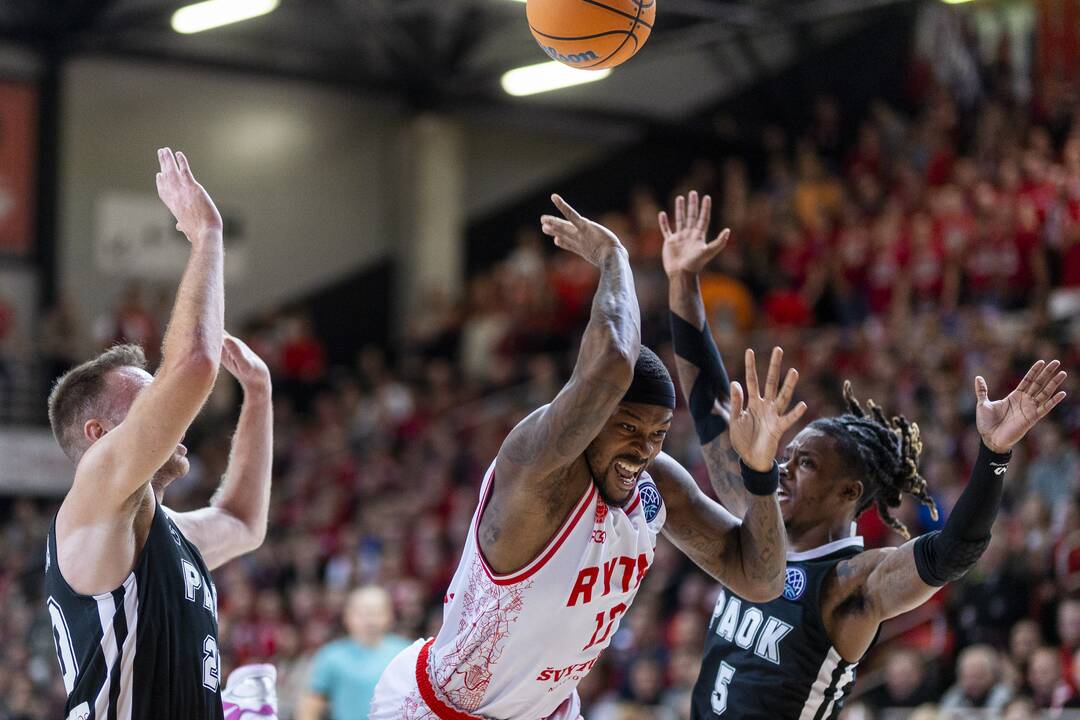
x: 938, y: 242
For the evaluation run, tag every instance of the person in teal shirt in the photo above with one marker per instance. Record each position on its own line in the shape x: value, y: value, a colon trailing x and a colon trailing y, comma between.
x: 344, y: 672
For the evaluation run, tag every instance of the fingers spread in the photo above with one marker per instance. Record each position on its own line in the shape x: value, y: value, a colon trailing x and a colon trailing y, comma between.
x: 772, y: 379
x: 1050, y: 404
x: 752, y: 389
x: 1030, y: 377
x: 713, y: 249
x: 705, y: 216
x: 736, y: 400
x: 692, y: 209
x: 792, y: 417
x: 1051, y: 386
x: 787, y: 390
x: 680, y: 213
x: 1044, y: 375
x: 665, y: 227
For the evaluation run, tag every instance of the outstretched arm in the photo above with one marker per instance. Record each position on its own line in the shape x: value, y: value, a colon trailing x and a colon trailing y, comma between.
x: 235, y: 521
x: 126, y: 457
x: 881, y: 584
x: 748, y: 557
x: 555, y: 435
x: 702, y: 375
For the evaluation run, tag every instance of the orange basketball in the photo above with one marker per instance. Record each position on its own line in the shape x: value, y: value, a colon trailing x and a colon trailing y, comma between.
x: 591, y: 34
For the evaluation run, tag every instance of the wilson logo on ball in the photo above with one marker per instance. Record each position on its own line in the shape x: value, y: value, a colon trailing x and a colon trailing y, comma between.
x: 591, y: 34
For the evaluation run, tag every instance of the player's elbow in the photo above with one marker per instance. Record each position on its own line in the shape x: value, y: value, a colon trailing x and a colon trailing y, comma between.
x: 614, y: 362
x: 198, y: 368
x: 764, y: 590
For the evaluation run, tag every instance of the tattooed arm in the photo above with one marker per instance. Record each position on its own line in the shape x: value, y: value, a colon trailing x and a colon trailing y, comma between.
x: 557, y: 434
x: 747, y: 557
x: 534, y: 490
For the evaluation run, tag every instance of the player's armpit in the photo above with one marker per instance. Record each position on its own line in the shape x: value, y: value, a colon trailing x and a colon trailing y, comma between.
x: 867, y: 590
x: 219, y: 535
x: 747, y: 557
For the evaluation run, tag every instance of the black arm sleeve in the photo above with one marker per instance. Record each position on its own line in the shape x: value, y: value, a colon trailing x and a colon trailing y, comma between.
x: 948, y: 554
x: 698, y: 348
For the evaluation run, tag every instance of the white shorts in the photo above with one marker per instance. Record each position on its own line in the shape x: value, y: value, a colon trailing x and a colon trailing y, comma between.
x: 398, y: 695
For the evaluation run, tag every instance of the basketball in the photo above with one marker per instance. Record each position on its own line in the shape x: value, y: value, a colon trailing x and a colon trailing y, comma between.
x: 591, y: 34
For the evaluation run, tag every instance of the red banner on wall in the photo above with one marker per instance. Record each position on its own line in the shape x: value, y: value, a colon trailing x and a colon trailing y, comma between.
x: 18, y: 150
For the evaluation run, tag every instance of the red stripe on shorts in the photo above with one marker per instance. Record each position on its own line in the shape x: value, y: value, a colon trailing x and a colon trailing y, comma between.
x: 427, y: 690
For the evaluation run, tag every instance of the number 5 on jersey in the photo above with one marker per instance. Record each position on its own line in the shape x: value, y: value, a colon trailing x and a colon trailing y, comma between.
x: 719, y: 693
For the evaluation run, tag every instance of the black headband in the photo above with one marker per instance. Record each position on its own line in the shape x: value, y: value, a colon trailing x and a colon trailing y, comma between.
x: 651, y: 391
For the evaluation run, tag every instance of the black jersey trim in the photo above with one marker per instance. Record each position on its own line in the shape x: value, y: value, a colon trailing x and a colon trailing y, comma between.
x: 120, y: 631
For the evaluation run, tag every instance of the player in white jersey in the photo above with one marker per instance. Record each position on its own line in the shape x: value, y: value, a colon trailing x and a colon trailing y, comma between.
x: 569, y: 515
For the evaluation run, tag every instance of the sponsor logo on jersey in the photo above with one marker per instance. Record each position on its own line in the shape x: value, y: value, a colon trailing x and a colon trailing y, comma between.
x: 650, y: 500
x: 576, y: 671
x: 80, y: 712
x: 601, y: 511
x: 794, y: 583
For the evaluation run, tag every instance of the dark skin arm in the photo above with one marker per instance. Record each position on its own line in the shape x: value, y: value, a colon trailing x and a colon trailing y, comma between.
x: 686, y: 253
x: 880, y: 584
x: 542, y: 458
x: 746, y: 556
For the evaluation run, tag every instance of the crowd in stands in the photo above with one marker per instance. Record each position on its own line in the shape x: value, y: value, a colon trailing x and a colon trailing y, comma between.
x: 940, y: 244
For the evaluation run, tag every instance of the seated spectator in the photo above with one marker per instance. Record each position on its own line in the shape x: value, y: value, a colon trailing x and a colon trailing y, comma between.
x: 978, y: 681
x: 1044, y: 680
x: 906, y: 683
x: 345, y: 672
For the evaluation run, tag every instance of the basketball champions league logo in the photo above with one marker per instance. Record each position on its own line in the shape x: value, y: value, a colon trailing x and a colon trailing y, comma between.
x: 794, y: 583
x: 650, y: 500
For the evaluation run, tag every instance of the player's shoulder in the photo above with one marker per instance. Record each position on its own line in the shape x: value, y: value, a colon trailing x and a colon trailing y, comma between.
x: 848, y: 575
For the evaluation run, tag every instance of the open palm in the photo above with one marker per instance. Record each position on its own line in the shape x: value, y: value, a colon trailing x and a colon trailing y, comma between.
x: 758, y: 424
x: 1003, y: 423
x: 685, y: 247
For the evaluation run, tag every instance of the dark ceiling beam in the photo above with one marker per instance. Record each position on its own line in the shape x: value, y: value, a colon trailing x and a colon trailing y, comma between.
x: 727, y: 12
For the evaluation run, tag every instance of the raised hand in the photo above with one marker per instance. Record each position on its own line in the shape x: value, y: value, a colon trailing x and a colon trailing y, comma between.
x: 578, y: 234
x: 1003, y: 423
x: 244, y: 365
x: 685, y: 247
x: 186, y: 199
x: 758, y: 422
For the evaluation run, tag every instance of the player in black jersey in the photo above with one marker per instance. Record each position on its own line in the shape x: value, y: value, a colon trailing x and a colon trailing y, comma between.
x: 127, y: 583
x: 794, y: 658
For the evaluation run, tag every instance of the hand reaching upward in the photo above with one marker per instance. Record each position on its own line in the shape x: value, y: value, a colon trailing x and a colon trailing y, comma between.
x: 578, y: 234
x: 685, y: 247
x: 186, y: 199
x: 243, y: 364
x: 758, y: 424
x: 1003, y: 423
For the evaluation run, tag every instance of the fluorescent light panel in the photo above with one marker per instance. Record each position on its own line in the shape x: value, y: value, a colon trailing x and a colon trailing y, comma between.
x: 215, y: 13
x: 548, y: 76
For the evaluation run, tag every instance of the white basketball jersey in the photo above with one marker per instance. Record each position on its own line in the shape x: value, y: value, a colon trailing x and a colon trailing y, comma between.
x: 516, y: 646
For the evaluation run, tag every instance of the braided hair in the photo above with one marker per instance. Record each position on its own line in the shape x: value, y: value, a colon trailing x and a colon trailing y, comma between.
x: 883, y: 452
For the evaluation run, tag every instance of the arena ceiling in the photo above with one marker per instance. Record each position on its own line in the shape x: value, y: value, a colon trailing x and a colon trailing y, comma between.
x: 450, y: 54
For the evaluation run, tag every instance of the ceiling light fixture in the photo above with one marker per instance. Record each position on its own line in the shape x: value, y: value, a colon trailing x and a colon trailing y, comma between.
x: 548, y: 76
x: 215, y: 13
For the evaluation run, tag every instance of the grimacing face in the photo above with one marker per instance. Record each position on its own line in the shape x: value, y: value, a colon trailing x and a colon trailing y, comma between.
x: 813, y: 485
x: 629, y: 442
x: 125, y: 385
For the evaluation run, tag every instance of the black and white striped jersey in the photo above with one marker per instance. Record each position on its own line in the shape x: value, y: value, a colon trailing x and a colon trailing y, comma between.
x: 148, y: 649
x: 774, y: 660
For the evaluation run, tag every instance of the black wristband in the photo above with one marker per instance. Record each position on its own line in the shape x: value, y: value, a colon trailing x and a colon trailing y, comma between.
x: 696, y: 346
x: 993, y: 459
x: 760, y: 483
